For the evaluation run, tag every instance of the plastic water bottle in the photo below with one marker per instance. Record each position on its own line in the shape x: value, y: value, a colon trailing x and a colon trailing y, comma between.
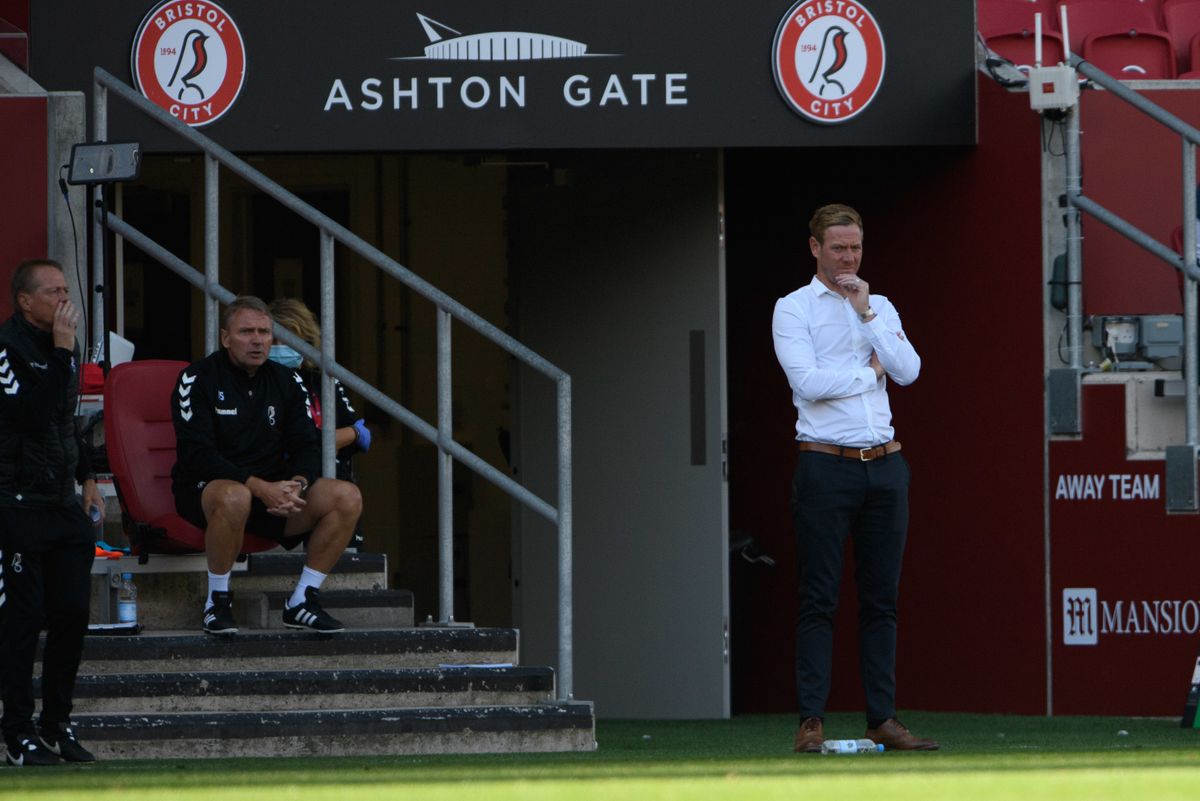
x: 127, y: 600
x: 850, y: 747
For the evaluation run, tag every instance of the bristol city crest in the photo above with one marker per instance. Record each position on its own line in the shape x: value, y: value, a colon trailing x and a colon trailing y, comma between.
x: 828, y: 59
x: 188, y: 58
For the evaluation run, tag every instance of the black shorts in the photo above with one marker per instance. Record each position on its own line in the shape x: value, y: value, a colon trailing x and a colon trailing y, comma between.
x: 261, y: 523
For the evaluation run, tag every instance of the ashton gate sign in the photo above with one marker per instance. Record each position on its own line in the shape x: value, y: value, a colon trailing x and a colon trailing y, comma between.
x: 309, y: 75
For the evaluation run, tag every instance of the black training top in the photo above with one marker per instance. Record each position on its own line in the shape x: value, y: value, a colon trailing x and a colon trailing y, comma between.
x: 231, y: 425
x: 40, y: 454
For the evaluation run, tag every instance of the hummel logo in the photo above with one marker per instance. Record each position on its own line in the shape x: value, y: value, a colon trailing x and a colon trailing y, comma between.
x: 184, y: 391
x: 187, y: 379
x: 39, y: 365
x: 7, y: 377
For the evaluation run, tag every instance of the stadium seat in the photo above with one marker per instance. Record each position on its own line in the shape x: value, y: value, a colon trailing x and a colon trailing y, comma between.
x: 1132, y: 55
x: 140, y: 439
x: 1088, y: 17
x: 1195, y: 53
x: 1182, y: 21
x: 1007, y: 14
x: 1008, y: 28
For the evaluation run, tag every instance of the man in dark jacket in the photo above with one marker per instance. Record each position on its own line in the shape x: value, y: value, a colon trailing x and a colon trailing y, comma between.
x: 248, y: 459
x: 47, y: 543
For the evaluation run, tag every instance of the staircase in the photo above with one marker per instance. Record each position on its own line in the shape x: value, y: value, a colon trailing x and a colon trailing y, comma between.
x: 380, y: 688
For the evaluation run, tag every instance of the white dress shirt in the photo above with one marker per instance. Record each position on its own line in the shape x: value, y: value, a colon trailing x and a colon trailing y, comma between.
x: 825, y: 349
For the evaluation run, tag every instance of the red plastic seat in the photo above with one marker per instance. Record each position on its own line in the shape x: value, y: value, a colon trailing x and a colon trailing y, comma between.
x: 1182, y: 21
x: 140, y: 439
x: 1019, y: 48
x: 1088, y: 17
x: 992, y: 12
x: 1008, y: 28
x: 1132, y: 55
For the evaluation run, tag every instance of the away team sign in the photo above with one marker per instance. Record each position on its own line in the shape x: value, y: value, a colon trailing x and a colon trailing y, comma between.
x: 828, y: 59
x: 189, y: 58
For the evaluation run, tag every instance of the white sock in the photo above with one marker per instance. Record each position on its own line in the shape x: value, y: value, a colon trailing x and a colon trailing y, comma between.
x: 217, y: 582
x: 308, y: 578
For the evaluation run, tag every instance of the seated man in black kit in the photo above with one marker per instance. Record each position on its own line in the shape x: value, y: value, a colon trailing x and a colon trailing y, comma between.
x: 248, y: 457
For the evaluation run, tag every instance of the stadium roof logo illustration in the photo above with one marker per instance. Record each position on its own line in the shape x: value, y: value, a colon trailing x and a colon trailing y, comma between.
x: 448, y: 44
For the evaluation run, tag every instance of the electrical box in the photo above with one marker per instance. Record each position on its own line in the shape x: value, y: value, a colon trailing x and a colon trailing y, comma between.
x: 1053, y: 88
x: 1161, y: 336
x: 1116, y: 335
x: 1148, y: 338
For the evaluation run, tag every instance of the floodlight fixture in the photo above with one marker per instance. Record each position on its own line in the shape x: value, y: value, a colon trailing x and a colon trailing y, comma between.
x: 104, y: 163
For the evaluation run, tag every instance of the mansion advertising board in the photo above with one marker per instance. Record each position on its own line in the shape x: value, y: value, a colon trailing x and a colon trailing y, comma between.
x: 1123, y: 604
x: 460, y: 74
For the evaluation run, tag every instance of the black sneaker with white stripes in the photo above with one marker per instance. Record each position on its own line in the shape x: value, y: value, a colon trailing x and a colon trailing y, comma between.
x: 309, y: 615
x: 60, y: 739
x: 218, y: 618
x: 27, y: 751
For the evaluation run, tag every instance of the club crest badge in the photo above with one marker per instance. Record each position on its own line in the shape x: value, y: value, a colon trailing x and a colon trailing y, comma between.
x: 188, y: 58
x: 828, y: 59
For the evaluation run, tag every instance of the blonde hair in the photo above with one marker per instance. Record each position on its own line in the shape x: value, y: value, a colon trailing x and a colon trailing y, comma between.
x: 293, y: 315
x: 826, y: 217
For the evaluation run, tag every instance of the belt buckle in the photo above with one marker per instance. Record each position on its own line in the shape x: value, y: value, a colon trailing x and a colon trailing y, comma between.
x: 862, y: 454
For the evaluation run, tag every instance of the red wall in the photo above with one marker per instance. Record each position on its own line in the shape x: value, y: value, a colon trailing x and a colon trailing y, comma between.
x: 1131, y: 166
x: 953, y: 237
x: 1114, y: 540
x: 23, y: 200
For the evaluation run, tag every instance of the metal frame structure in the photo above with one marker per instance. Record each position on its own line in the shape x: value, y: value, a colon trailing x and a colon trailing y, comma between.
x: 1179, y: 457
x: 448, y: 310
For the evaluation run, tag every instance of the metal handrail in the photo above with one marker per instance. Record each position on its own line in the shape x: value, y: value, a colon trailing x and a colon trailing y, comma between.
x: 1185, y: 262
x: 447, y: 310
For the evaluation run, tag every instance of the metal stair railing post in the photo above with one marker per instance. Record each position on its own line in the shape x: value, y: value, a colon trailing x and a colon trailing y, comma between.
x: 328, y: 340
x: 1185, y: 262
x: 212, y: 252
x: 448, y: 309
x: 1191, y: 358
x: 96, y: 289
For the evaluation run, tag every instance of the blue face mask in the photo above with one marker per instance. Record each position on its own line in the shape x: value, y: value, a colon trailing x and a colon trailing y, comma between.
x: 286, y: 356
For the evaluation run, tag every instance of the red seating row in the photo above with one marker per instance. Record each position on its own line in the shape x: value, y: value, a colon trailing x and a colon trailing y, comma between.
x: 1133, y: 39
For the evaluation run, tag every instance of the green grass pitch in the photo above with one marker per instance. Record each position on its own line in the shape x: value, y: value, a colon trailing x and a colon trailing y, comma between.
x: 983, y: 757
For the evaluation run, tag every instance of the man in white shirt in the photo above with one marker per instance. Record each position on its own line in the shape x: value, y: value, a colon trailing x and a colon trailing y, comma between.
x: 839, y: 345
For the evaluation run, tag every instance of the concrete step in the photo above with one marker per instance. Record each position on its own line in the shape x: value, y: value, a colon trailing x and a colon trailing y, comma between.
x: 489, y: 729
x: 289, y: 649
x: 171, y: 596
x: 290, y: 563
x: 356, y: 608
x: 276, y: 690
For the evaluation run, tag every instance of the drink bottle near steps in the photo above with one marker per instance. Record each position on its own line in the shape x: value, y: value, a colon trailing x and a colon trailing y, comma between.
x: 127, y: 600
x: 850, y: 747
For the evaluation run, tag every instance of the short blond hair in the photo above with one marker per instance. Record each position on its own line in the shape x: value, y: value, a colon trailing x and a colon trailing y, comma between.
x: 828, y: 216
x: 293, y: 315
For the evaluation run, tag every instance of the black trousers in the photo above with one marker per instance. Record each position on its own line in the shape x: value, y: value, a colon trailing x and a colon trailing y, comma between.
x: 834, y: 498
x: 45, y: 582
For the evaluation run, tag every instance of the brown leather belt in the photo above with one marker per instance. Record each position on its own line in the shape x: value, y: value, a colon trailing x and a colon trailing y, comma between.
x: 862, y: 454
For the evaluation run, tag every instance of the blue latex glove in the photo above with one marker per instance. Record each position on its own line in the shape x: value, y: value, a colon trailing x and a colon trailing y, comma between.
x: 363, y: 438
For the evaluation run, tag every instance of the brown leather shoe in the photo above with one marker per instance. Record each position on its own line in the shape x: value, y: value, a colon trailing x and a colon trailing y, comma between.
x: 809, y: 736
x: 895, y: 736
